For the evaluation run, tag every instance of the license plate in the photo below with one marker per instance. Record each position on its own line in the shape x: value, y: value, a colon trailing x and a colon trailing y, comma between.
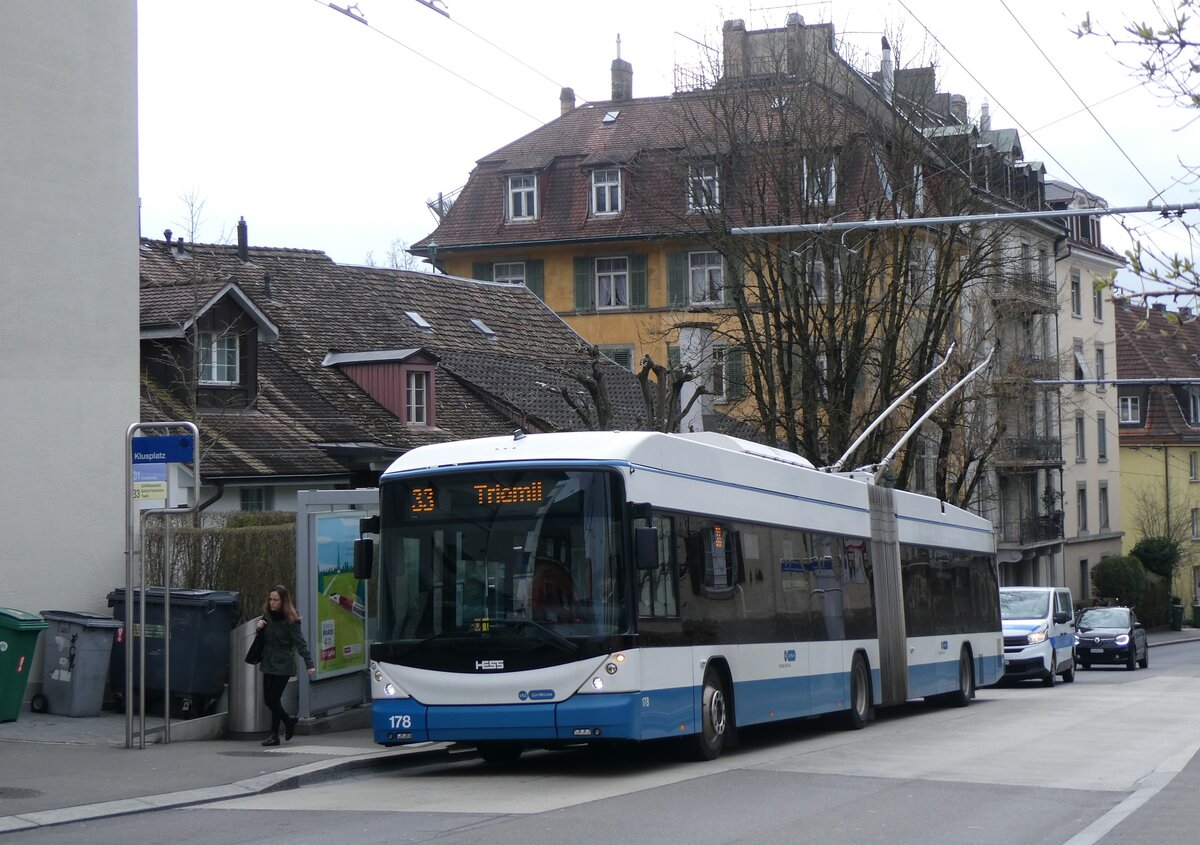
x: 1097, y: 651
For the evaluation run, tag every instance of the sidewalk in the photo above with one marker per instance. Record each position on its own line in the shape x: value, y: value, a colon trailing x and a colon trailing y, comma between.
x: 60, y: 769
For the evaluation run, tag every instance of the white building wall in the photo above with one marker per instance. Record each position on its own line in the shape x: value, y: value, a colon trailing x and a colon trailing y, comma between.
x: 1092, y: 324
x: 68, y: 297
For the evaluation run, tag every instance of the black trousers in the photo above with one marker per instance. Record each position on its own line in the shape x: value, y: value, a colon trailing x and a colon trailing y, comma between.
x: 273, y: 687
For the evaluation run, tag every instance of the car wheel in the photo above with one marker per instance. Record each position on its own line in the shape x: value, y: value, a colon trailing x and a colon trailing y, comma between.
x: 1083, y: 664
x: 1131, y: 663
x: 1069, y: 675
x: 1145, y: 661
x: 1049, y: 678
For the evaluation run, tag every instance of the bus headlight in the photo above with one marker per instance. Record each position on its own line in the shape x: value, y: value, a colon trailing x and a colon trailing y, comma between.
x: 597, y: 683
x: 389, y: 690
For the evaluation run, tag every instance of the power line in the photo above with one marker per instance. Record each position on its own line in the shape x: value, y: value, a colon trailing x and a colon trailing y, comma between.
x: 351, y: 13
x: 1071, y: 88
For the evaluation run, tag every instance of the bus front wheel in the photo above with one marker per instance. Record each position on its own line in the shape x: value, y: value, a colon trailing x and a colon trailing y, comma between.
x: 708, y: 742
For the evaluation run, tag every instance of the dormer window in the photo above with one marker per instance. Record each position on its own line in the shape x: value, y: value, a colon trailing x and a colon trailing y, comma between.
x: 704, y: 193
x: 606, y: 191
x: 820, y: 179
x: 218, y: 358
x: 416, y: 397
x: 522, y: 197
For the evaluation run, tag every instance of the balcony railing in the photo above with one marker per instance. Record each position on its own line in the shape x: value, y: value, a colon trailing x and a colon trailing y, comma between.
x: 1029, y: 289
x: 1029, y: 449
x: 1031, y: 530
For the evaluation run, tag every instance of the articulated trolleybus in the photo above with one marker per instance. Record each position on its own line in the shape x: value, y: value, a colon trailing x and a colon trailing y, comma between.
x: 553, y: 589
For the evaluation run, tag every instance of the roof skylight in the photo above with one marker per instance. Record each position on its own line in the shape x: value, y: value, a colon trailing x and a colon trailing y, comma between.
x: 611, y: 117
x: 419, y: 321
x: 483, y: 327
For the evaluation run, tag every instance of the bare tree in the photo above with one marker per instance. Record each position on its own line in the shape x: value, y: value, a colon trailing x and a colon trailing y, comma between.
x: 833, y: 326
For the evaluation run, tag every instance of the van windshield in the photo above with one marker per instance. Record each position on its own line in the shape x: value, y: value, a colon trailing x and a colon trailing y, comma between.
x: 1024, y: 604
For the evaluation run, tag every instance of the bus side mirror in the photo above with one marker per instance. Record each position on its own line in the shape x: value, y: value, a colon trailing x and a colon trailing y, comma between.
x: 364, y: 557
x: 645, y: 542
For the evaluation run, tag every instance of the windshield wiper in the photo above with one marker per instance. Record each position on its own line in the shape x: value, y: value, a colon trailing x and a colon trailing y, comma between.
x: 539, y: 630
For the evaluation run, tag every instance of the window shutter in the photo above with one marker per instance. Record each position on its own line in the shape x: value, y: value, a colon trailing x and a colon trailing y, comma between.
x: 623, y: 357
x: 735, y: 373
x: 637, y: 281
x: 677, y: 279
x: 585, y: 288
x: 482, y: 271
x: 535, y: 278
x: 673, y: 357
x: 731, y: 280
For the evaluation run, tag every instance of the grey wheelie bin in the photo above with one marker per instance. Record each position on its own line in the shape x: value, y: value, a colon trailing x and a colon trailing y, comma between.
x: 75, y: 657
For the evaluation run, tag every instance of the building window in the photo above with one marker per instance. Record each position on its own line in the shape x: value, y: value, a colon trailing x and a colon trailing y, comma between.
x: 1100, y: 370
x: 921, y: 466
x: 918, y: 189
x: 620, y: 355
x: 1101, y: 437
x: 1043, y: 266
x: 1076, y: 294
x: 1098, y: 303
x: 1080, y: 438
x: 1196, y: 523
x: 1193, y: 394
x: 1194, y: 466
x: 254, y: 498
x: 511, y: 273
x: 1081, y: 370
x: 704, y: 189
x: 522, y: 197
x: 725, y: 377
x: 705, y: 277
x: 416, y: 397
x: 820, y: 181
x: 612, y: 282
x: 1129, y: 409
x: 606, y: 191
x: 218, y: 358
x: 1081, y: 509
x: 1102, y: 504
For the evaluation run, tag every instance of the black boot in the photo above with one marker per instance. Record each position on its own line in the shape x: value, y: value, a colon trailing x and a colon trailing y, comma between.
x: 273, y: 739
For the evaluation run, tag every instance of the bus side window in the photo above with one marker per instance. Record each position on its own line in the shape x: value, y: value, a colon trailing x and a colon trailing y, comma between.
x: 658, y: 590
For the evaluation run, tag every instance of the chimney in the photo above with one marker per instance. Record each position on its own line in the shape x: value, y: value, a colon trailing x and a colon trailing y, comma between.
x: 887, y: 71
x: 958, y: 108
x: 1159, y: 306
x: 622, y: 76
x: 243, y: 241
x: 1185, y: 311
x: 167, y: 236
x: 566, y: 100
x: 985, y: 119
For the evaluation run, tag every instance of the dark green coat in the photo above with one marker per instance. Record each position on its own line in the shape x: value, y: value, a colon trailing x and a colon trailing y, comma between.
x: 283, y: 641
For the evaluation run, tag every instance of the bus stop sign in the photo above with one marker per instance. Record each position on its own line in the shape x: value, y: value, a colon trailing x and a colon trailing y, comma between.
x: 169, y: 449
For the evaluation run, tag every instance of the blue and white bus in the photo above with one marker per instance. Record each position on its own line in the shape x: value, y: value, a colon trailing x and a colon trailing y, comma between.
x: 553, y: 589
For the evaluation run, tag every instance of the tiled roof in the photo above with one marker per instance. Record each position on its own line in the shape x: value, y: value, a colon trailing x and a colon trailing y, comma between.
x: 482, y: 383
x: 1156, y: 344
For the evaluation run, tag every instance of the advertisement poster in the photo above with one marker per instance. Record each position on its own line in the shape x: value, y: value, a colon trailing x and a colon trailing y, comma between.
x: 341, y: 641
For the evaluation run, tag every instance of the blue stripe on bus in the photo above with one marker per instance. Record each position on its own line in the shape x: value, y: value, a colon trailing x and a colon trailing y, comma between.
x: 649, y: 714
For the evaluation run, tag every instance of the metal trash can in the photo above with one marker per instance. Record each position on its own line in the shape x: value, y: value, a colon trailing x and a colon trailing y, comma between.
x: 247, y: 713
x: 200, y: 624
x: 1176, y: 616
x: 18, y: 640
x: 75, y: 656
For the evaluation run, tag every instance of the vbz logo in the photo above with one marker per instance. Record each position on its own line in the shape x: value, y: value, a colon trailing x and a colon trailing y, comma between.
x: 481, y: 665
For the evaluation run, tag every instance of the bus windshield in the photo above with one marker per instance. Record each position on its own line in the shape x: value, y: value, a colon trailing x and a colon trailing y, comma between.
x: 485, y: 553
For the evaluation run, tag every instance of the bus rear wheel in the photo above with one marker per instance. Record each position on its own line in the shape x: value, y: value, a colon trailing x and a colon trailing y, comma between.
x: 709, y: 741
x: 966, y: 682
x: 860, y: 696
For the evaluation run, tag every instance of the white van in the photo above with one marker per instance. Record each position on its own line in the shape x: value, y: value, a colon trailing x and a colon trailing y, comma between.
x: 1039, y: 633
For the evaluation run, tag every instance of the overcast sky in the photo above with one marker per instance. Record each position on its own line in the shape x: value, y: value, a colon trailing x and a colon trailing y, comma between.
x: 328, y: 133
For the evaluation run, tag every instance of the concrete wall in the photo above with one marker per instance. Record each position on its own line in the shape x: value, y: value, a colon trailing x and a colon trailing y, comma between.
x: 68, y: 297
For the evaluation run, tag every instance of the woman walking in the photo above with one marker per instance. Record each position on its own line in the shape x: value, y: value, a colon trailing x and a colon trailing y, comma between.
x: 283, y: 638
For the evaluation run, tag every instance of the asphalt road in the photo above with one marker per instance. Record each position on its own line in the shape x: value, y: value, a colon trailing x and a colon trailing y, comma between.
x: 1108, y: 759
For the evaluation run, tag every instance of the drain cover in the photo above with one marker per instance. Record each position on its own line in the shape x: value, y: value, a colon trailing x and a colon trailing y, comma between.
x: 16, y: 792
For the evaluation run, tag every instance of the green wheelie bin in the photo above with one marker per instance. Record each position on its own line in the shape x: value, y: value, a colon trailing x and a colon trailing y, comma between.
x: 18, y: 640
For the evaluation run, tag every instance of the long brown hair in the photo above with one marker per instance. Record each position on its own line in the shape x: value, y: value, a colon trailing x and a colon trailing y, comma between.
x: 286, y: 607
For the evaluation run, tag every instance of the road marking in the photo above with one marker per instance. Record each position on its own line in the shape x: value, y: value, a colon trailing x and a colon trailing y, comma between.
x: 1149, y: 786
